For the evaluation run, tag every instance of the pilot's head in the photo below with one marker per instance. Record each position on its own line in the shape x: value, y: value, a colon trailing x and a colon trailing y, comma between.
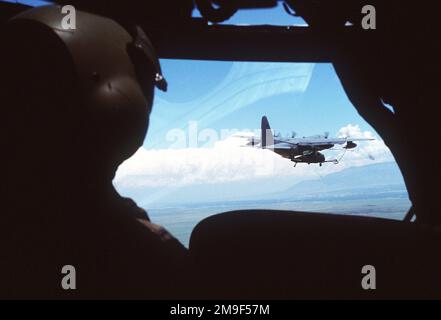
x: 75, y: 103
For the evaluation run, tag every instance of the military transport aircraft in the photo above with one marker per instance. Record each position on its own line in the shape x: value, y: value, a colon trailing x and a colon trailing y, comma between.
x: 300, y: 150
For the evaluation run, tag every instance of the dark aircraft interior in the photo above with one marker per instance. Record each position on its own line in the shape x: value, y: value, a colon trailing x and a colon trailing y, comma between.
x: 249, y: 254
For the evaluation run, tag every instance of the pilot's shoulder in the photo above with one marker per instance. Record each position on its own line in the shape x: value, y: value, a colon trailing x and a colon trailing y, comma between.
x: 129, y: 207
x: 133, y: 211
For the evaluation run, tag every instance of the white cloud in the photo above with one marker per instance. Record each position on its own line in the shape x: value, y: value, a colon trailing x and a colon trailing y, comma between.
x: 227, y: 161
x: 367, y: 151
x: 354, y: 131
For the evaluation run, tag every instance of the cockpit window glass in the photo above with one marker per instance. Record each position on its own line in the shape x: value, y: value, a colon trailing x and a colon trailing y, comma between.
x: 200, y: 157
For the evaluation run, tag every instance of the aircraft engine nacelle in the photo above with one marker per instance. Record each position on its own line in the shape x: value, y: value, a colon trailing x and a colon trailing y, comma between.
x: 318, y: 157
x: 315, y: 157
x: 350, y: 145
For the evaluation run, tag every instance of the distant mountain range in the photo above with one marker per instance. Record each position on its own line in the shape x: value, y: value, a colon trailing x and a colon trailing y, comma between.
x: 374, y: 176
x: 374, y: 179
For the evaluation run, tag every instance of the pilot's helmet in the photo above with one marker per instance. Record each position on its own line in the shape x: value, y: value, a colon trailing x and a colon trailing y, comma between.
x: 92, y: 81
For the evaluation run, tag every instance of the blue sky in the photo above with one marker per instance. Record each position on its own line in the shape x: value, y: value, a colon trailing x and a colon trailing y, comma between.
x: 272, y: 16
x: 34, y: 3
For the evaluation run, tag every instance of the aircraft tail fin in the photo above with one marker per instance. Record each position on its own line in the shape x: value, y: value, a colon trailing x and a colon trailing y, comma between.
x: 266, y: 133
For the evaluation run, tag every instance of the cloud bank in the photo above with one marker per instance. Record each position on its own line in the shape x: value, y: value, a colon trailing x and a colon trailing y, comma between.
x: 228, y: 161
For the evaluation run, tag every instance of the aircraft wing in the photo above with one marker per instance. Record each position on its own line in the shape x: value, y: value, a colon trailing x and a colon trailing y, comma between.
x: 359, y: 139
x: 280, y: 145
x: 307, y: 143
x: 346, y: 140
x: 312, y: 142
